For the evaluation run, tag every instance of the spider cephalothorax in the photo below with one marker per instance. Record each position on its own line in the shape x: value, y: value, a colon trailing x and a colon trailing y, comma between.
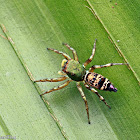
x: 72, y: 70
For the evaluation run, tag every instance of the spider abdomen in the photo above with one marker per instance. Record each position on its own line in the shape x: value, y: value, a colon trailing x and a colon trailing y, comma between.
x: 99, y: 82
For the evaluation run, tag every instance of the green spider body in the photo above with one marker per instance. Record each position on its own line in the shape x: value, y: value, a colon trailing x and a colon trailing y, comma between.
x: 72, y: 70
x: 77, y: 72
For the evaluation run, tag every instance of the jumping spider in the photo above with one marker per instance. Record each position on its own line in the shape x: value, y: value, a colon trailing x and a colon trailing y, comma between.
x: 72, y: 70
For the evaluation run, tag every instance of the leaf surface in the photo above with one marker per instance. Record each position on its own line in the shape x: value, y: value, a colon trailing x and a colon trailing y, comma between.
x: 34, y: 26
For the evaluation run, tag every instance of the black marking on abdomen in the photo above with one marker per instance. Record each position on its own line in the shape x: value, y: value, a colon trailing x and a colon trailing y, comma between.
x: 101, y: 82
x: 97, y: 81
x: 87, y: 76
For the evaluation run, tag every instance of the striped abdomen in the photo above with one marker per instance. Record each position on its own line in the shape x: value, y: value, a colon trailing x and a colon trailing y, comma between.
x: 98, y: 81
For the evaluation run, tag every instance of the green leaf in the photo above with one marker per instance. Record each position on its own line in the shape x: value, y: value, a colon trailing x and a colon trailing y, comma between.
x: 121, y: 22
x: 31, y: 27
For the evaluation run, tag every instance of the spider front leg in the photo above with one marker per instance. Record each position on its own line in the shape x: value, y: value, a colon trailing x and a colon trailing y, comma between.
x: 84, y: 98
x: 52, y: 79
x: 91, y: 57
x: 57, y: 88
x: 106, y: 65
x: 73, y: 51
x: 59, y: 52
x: 101, y: 97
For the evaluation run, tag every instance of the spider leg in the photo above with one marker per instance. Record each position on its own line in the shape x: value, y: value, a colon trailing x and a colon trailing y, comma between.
x: 91, y: 57
x: 57, y: 88
x: 73, y: 51
x: 106, y: 65
x: 52, y: 79
x: 101, y: 97
x: 61, y: 73
x: 59, y: 52
x: 84, y: 98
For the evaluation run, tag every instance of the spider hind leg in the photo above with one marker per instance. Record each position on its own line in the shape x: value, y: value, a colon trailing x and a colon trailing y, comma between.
x: 101, y: 97
x: 84, y: 98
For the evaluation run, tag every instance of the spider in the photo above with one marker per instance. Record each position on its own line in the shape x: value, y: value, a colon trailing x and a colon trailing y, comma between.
x: 73, y: 70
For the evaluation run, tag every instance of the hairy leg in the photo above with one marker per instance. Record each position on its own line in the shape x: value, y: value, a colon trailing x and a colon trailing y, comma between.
x: 91, y: 57
x: 52, y: 79
x: 73, y: 51
x: 84, y: 98
x: 93, y: 90
x: 106, y: 65
x: 57, y: 88
x: 59, y: 52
